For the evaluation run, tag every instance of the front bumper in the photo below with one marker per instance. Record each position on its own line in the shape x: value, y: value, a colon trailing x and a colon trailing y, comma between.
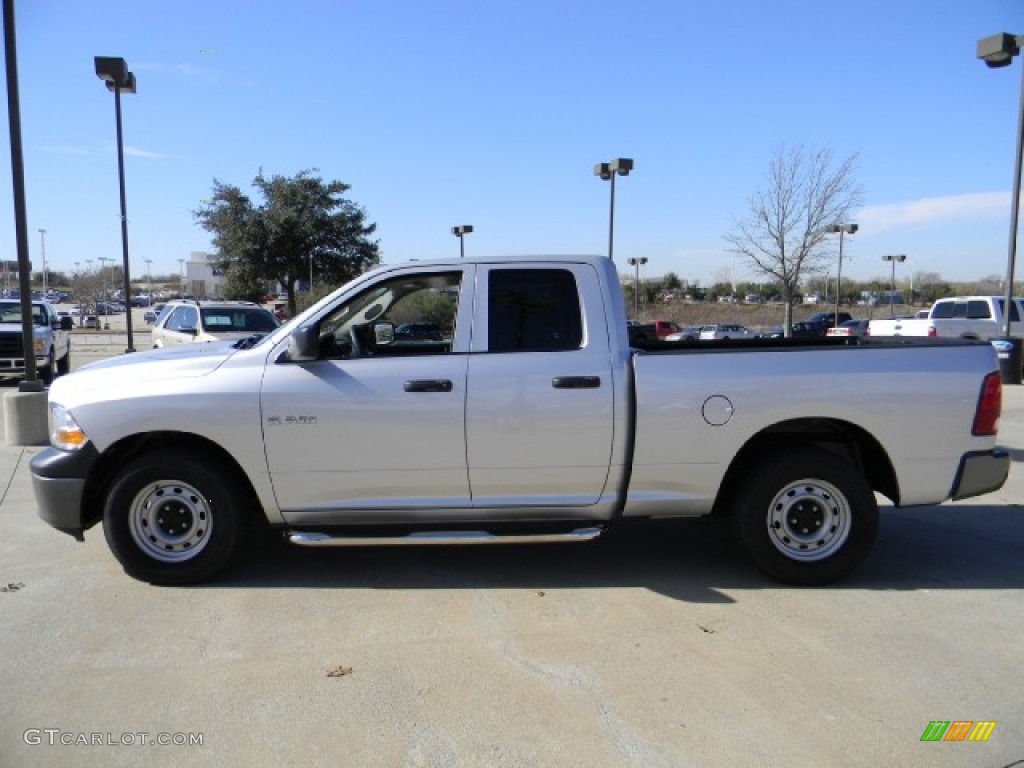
x: 58, y: 481
x: 980, y: 472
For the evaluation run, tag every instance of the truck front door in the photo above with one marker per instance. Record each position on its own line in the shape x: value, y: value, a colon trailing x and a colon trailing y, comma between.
x: 367, y: 434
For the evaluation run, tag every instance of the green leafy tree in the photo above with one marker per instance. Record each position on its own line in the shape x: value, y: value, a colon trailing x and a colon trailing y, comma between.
x: 301, y: 223
x: 671, y: 282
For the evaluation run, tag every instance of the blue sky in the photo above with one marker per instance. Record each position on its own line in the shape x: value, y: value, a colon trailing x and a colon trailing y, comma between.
x: 494, y: 113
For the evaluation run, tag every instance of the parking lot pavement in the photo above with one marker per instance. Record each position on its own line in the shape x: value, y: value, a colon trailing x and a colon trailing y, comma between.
x: 659, y: 646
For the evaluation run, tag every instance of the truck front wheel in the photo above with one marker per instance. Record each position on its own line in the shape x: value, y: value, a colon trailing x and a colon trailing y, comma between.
x: 806, y: 517
x: 46, y: 372
x: 172, y: 518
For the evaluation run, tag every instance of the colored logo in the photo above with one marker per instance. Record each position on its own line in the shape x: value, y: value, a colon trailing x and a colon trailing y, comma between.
x: 958, y: 730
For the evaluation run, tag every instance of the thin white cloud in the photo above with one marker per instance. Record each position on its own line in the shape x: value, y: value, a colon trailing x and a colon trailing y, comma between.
x: 190, y: 70
x: 134, y: 151
x: 65, y: 149
x: 878, y: 218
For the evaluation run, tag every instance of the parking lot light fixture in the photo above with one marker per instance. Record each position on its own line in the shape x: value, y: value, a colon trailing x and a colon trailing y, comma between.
x: 901, y: 257
x: 998, y: 51
x: 636, y: 285
x: 460, y: 232
x: 608, y: 171
x: 113, y: 71
x: 842, y: 229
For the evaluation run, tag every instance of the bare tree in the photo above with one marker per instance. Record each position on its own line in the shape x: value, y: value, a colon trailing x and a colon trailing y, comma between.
x: 784, y: 231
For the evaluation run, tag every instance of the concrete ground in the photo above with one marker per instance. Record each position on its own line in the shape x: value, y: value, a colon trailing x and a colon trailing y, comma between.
x: 658, y: 646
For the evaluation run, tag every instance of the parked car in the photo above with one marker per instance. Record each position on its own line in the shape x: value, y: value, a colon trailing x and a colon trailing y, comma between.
x: 665, y: 328
x: 186, y: 322
x: 726, y: 331
x: 152, y: 314
x: 828, y: 319
x: 419, y: 332
x: 964, y: 317
x: 850, y: 328
x: 689, y: 333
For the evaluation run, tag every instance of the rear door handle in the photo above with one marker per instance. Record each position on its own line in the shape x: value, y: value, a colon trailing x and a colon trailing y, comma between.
x: 576, y: 382
x: 428, y: 385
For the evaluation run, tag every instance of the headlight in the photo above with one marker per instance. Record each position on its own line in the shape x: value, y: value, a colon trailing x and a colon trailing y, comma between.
x: 64, y: 430
x: 40, y: 346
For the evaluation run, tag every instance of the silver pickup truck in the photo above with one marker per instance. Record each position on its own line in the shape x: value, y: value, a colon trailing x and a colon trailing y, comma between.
x: 525, y: 415
x: 51, y: 340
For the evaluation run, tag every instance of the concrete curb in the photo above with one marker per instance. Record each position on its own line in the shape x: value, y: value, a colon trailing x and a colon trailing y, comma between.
x: 25, y: 418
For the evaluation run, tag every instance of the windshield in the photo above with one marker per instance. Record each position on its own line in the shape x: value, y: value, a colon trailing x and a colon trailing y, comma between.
x: 237, y: 320
x: 10, y: 312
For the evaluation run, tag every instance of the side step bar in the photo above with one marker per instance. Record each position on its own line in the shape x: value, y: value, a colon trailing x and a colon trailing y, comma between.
x: 421, y: 538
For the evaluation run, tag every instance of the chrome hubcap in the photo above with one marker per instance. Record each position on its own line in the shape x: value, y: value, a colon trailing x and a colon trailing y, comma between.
x: 809, y: 520
x: 170, y: 521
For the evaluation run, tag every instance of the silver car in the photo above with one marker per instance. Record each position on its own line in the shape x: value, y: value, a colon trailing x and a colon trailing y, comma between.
x: 725, y: 331
x: 189, y: 321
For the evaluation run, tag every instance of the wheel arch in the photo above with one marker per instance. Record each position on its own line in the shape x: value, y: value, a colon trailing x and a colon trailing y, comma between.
x: 836, y: 436
x: 112, y: 459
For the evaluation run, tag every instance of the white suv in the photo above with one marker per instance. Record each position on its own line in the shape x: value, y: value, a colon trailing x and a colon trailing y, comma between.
x: 189, y: 321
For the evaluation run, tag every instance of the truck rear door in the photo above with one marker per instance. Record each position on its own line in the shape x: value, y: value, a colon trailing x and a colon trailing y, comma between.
x: 540, y: 404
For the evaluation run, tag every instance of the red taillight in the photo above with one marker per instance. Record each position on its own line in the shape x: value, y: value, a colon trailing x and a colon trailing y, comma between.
x: 932, y: 331
x: 990, y: 405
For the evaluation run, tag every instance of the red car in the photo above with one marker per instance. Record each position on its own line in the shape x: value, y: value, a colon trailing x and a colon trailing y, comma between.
x: 663, y: 328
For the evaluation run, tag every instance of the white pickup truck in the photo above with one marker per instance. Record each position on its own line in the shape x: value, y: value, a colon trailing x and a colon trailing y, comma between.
x: 965, y: 317
x: 526, y: 416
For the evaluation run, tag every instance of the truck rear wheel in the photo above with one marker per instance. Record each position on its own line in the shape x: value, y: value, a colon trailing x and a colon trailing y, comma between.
x: 806, y: 517
x: 172, y: 518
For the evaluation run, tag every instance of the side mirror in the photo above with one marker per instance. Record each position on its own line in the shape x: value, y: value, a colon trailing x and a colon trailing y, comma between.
x: 304, y: 344
x: 383, y: 334
x: 66, y: 323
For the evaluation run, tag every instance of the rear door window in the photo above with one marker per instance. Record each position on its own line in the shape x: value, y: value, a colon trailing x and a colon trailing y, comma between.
x: 533, y: 310
x: 978, y: 310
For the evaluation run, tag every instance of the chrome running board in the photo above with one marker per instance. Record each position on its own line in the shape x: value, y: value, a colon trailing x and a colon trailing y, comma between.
x: 421, y: 538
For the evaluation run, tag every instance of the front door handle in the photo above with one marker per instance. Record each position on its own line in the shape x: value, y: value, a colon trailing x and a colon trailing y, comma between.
x: 576, y: 382
x: 428, y: 385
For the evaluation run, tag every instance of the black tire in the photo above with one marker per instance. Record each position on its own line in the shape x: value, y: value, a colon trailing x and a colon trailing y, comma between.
x: 64, y: 364
x: 173, y: 517
x: 806, y: 518
x: 47, y: 371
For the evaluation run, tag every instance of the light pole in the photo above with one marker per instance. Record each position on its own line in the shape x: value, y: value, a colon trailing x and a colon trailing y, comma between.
x: 636, y: 285
x: 181, y: 276
x: 149, y: 280
x: 842, y: 229
x: 42, y: 238
x: 114, y: 72
x: 310, y: 273
x: 901, y: 257
x: 608, y: 171
x: 460, y: 232
x: 106, y: 298
x: 998, y: 51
